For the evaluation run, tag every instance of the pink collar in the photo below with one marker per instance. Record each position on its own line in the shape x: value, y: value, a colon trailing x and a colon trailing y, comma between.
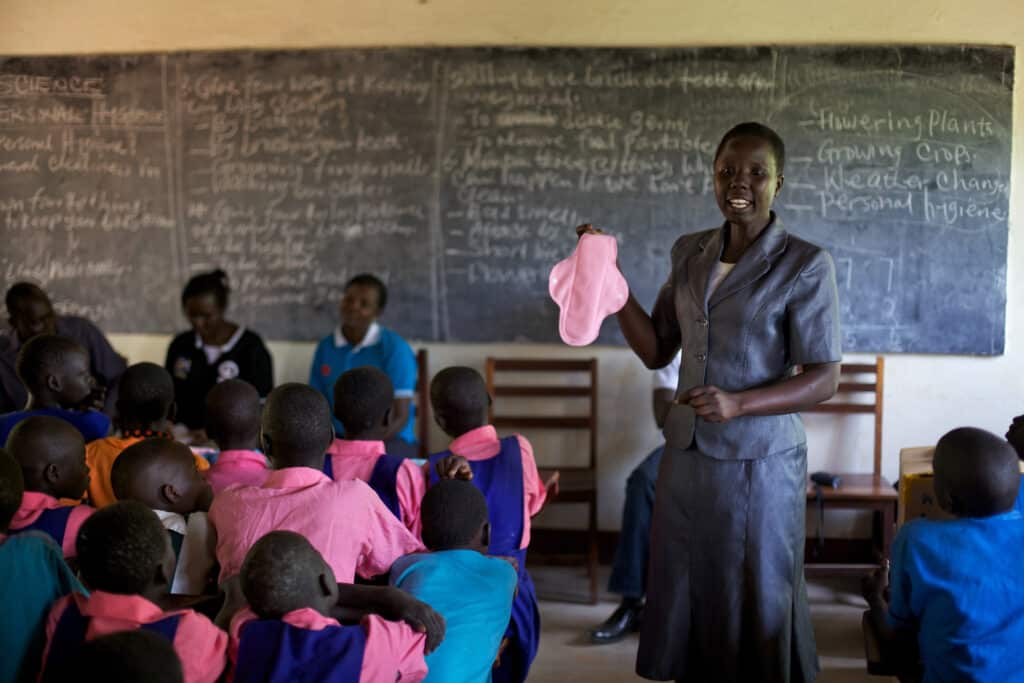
x: 33, y: 504
x: 127, y: 607
x: 295, y: 478
x: 357, y: 449
x: 474, y: 439
x: 305, y: 617
x: 242, y: 458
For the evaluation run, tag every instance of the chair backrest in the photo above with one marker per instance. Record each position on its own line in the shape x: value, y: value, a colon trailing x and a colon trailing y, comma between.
x: 540, y: 420
x: 854, y: 383
x: 422, y: 402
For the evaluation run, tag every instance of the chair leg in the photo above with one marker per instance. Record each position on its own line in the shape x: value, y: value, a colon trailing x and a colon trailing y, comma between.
x: 592, y: 554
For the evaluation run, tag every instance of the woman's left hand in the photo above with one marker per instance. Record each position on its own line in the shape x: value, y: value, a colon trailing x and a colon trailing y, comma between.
x: 713, y: 404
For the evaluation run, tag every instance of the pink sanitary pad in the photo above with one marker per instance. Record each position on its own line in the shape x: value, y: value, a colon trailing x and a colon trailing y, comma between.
x: 587, y: 287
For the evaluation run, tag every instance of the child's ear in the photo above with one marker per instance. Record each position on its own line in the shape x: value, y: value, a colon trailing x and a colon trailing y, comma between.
x: 170, y: 494
x: 327, y: 585
x: 485, y: 535
x: 54, y: 383
x: 386, y: 420
x: 51, y: 474
x: 172, y: 411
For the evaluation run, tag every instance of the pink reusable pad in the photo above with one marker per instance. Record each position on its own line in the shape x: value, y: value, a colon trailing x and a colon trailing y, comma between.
x: 587, y: 287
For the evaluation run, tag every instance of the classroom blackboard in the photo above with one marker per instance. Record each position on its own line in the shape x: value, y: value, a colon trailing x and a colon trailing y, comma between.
x: 457, y: 175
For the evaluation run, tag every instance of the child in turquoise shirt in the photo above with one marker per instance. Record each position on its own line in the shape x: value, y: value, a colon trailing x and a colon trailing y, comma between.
x: 476, y: 614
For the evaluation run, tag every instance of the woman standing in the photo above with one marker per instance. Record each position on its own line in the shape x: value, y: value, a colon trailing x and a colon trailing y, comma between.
x: 746, y: 302
x: 215, y: 350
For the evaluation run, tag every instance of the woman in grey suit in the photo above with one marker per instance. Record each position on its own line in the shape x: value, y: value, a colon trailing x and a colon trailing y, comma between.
x: 746, y: 302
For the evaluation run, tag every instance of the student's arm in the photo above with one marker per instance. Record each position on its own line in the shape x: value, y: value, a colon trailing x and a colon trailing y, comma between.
x: 316, y: 378
x: 355, y: 602
x: 394, y: 651
x: 401, y: 368
x: 897, y: 645
x: 534, y: 491
x: 386, y: 538
x: 201, y: 647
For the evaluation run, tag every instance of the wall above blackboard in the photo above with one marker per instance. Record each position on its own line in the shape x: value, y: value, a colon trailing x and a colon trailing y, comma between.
x: 458, y: 175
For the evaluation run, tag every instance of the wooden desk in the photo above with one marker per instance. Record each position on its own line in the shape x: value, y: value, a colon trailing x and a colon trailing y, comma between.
x: 858, y: 492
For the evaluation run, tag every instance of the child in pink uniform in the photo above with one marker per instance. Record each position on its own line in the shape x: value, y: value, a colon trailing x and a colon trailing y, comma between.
x: 362, y: 403
x: 344, y: 520
x: 287, y: 633
x: 51, y: 453
x: 126, y: 561
x: 233, y: 422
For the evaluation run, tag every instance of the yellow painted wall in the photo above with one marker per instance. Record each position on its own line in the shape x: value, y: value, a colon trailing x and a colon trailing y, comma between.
x: 926, y: 395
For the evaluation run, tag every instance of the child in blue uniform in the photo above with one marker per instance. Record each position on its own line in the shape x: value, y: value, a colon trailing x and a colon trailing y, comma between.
x: 34, y: 575
x: 52, y: 457
x: 957, y: 584
x: 287, y: 633
x: 55, y: 370
x: 506, y: 473
x: 456, y: 531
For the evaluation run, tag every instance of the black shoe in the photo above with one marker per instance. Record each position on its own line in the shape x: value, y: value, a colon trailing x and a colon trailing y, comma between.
x: 625, y: 619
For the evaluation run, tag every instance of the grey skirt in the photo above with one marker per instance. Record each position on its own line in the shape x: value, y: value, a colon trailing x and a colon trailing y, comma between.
x: 726, y: 598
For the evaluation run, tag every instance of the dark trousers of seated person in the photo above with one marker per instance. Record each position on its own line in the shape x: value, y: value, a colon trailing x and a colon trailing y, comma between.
x: 629, y: 570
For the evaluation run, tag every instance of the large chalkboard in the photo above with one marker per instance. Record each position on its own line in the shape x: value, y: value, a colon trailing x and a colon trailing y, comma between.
x: 458, y: 175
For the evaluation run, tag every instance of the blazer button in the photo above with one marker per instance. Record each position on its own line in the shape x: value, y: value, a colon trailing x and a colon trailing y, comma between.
x: 701, y: 357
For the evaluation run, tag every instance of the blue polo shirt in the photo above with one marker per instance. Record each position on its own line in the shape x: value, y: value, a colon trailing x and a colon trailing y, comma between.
x: 91, y: 423
x: 959, y: 584
x: 381, y: 348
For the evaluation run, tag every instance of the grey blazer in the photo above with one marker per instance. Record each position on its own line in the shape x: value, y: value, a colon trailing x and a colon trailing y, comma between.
x: 777, y: 308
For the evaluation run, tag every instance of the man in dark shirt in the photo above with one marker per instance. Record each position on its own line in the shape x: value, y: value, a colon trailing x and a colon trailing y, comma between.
x: 30, y: 313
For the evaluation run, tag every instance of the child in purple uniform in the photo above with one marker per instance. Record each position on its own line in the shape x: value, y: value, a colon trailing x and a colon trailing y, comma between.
x: 52, y: 457
x: 287, y: 632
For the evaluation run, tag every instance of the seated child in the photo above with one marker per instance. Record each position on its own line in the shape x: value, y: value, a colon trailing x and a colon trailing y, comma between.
x: 125, y: 657
x: 287, y: 633
x: 52, y: 457
x: 455, y: 530
x: 957, y: 584
x: 34, y: 576
x: 506, y: 472
x: 344, y: 520
x: 127, y: 562
x: 145, y: 408
x: 162, y: 475
x: 55, y: 371
x: 362, y: 403
x: 233, y: 423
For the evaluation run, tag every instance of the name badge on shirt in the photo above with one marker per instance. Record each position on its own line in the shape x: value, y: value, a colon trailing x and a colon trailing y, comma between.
x: 182, y: 367
x: 227, y: 370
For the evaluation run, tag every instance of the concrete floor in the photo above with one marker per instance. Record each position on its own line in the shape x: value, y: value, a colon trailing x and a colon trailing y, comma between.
x: 567, y: 656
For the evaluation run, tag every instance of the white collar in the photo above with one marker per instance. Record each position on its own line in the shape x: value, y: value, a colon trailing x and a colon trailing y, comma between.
x: 172, y: 521
x: 226, y: 347
x: 372, y: 338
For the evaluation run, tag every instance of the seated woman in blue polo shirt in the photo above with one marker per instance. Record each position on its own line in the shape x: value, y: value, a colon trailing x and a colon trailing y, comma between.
x: 359, y: 341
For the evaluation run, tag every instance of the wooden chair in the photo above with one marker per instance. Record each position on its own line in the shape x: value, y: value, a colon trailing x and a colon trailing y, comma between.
x: 858, y: 491
x: 572, y: 484
x: 422, y: 403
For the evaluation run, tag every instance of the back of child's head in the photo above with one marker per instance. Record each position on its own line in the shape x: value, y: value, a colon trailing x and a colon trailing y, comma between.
x: 56, y: 364
x: 145, y: 395
x: 162, y: 474
x: 283, y: 572
x: 454, y: 515
x: 460, y: 399
x: 122, y: 548
x: 51, y: 453
x: 977, y: 474
x: 138, y: 656
x: 12, y: 488
x: 362, y: 399
x: 296, y: 426
x: 233, y: 414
